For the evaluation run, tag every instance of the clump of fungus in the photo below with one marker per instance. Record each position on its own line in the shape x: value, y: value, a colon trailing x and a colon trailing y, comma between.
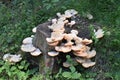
x: 99, y: 33
x: 12, y: 58
x: 27, y: 45
x: 74, y: 44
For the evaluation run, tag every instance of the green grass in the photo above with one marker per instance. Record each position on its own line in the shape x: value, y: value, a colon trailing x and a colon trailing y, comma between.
x: 18, y: 17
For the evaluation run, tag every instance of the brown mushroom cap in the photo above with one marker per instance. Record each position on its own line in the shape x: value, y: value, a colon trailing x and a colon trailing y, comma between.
x: 80, y: 54
x: 86, y: 41
x: 69, y: 43
x: 79, y: 47
x: 37, y: 52
x: 71, y: 23
x: 68, y: 37
x: 74, y: 32
x: 56, y: 27
x: 88, y: 64
x: 51, y: 42
x: 78, y: 40
x: 64, y: 49
x: 66, y: 64
x: 55, y: 43
x: 80, y: 60
x: 56, y: 36
x: 91, y: 54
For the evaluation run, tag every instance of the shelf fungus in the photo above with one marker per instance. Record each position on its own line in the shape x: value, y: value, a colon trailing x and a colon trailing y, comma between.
x: 70, y: 42
x: 66, y: 64
x: 27, y: 46
x: 27, y: 40
x: 64, y: 49
x: 37, y: 52
x: 86, y: 63
x: 12, y: 58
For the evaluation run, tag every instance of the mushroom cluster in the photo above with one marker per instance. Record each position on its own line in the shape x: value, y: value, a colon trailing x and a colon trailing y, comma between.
x: 73, y: 43
x: 12, y: 58
x: 27, y: 45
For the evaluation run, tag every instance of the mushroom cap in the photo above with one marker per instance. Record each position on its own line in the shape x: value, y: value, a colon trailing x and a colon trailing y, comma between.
x: 27, y: 40
x: 53, y: 53
x: 15, y: 58
x: 86, y: 41
x: 80, y: 54
x: 79, y: 47
x: 91, y: 54
x: 74, y: 32
x: 57, y: 26
x: 99, y: 33
x: 12, y: 58
x: 62, y: 18
x: 57, y: 36
x: 68, y: 43
x: 71, y: 11
x: 51, y: 42
x: 6, y: 57
x: 68, y: 37
x: 80, y: 60
x: 58, y: 14
x: 66, y: 64
x: 63, y: 49
x: 55, y: 43
x: 71, y: 23
x: 78, y: 40
x: 27, y: 48
x: 34, y: 29
x: 88, y: 64
x: 54, y: 21
x: 68, y: 14
x: 59, y: 30
x: 37, y: 52
x: 66, y: 21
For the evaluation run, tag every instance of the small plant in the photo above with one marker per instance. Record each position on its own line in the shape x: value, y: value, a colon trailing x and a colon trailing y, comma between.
x: 73, y: 74
x: 69, y: 75
x: 18, y: 71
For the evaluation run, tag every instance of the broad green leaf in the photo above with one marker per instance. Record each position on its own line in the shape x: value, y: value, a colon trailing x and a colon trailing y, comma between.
x: 76, y: 75
x: 66, y: 74
x: 13, y: 68
x: 20, y: 67
x: 72, y: 68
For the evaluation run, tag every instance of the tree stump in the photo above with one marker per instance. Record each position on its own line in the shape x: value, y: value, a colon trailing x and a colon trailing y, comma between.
x: 48, y: 63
